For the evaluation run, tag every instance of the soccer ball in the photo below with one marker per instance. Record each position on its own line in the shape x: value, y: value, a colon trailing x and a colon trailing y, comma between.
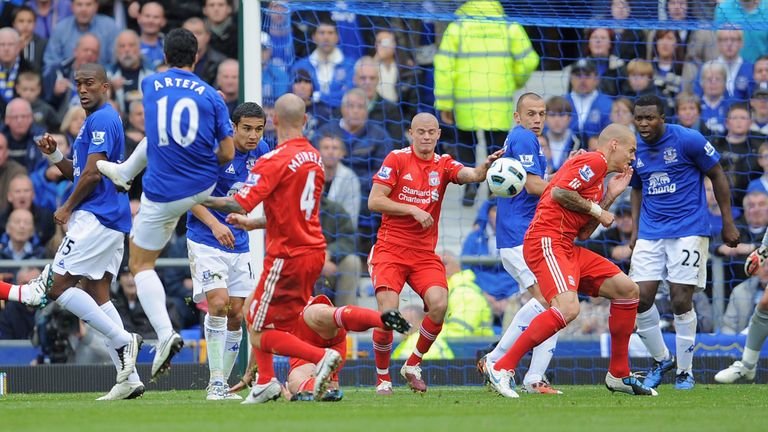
x: 506, y: 177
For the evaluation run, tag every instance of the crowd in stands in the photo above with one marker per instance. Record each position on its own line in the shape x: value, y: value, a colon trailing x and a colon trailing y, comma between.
x: 362, y: 78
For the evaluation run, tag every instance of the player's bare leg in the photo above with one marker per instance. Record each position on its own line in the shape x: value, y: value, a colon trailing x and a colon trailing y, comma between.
x: 382, y: 342
x: 62, y: 290
x: 122, y: 174
x: 151, y: 293
x: 624, y: 296
x: 650, y: 333
x: 325, y: 320
x: 215, y: 339
x: 436, y: 300
x: 685, y: 332
x: 132, y: 387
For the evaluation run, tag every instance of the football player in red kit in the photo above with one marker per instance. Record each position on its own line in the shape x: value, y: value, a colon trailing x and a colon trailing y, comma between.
x: 408, y: 190
x: 569, y: 209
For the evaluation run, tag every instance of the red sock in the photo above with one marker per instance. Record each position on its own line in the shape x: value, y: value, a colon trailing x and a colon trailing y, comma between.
x: 286, y: 344
x: 621, y: 323
x: 266, y: 368
x: 382, y: 351
x: 7, y: 292
x: 540, y: 329
x: 355, y: 318
x: 427, y: 334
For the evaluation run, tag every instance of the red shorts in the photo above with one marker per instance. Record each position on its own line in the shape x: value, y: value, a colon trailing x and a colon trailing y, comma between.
x: 305, y: 333
x: 285, y: 286
x: 560, y: 267
x: 391, y: 266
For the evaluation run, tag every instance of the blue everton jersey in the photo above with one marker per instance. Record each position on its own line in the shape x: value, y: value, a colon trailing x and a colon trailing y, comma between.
x: 515, y: 214
x: 232, y: 176
x: 670, y: 174
x: 185, y: 120
x: 102, y: 132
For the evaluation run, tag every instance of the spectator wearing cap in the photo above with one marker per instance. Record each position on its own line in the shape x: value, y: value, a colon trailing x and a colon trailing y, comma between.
x: 223, y: 26
x: 759, y: 104
x: 714, y: 101
x: 208, y: 59
x: 739, y: 150
x: 330, y: 69
x: 274, y: 80
x: 68, y: 31
x: 613, y: 243
x: 151, y: 21
x: 688, y: 113
x: 750, y: 15
x: 228, y: 82
x: 738, y: 71
x: 591, y: 108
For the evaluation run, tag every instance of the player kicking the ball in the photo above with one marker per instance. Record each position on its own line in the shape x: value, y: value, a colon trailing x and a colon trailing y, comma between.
x: 219, y: 257
x: 189, y: 135
x: 408, y: 190
x: 569, y: 209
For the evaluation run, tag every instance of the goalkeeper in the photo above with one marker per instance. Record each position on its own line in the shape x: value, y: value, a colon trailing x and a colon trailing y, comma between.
x: 744, y: 369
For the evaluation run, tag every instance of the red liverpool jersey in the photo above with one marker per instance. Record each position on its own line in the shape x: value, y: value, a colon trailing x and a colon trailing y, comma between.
x: 420, y: 183
x: 584, y: 174
x: 289, y: 180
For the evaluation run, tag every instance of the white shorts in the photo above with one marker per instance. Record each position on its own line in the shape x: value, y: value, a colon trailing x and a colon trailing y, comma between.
x: 212, y: 268
x: 155, y: 222
x: 682, y: 261
x: 89, y: 249
x: 514, y: 264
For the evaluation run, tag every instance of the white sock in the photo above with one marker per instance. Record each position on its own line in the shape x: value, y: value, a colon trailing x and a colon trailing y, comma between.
x: 136, y: 162
x: 750, y: 357
x: 685, y: 326
x: 231, y: 350
x: 112, y: 313
x: 520, y: 322
x: 540, y: 359
x: 215, y: 337
x: 81, y: 304
x: 650, y: 333
x: 16, y: 294
x: 151, y: 293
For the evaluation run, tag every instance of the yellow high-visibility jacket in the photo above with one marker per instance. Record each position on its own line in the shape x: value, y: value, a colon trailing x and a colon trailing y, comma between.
x: 482, y: 60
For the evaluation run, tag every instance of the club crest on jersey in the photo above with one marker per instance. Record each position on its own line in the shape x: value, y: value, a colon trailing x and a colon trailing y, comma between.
x: 709, y: 149
x: 586, y: 173
x: 670, y: 155
x: 97, y: 137
x: 526, y: 160
x: 639, y: 163
x: 434, y: 178
x: 230, y: 169
x: 250, y: 163
x: 384, y: 172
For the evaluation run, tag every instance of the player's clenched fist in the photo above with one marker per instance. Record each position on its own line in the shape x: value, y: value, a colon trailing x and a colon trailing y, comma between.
x: 422, y: 217
x: 47, y: 144
x: 606, y: 218
x: 755, y: 260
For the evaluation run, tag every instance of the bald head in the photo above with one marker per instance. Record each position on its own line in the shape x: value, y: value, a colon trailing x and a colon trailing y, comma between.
x: 423, y: 120
x: 618, y: 144
x: 615, y: 131
x: 290, y: 111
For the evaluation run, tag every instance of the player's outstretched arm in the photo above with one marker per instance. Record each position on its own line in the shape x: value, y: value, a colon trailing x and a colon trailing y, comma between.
x: 47, y: 145
x: 226, y: 151
x: 221, y: 232
x: 378, y: 201
x: 478, y: 173
x: 574, y: 202
x: 224, y: 205
x: 722, y: 191
x: 246, y: 223
x: 89, y: 179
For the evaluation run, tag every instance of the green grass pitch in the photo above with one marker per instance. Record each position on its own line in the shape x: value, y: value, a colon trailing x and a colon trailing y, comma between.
x: 581, y: 408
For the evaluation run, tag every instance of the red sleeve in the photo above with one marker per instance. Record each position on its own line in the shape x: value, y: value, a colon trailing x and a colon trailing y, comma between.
x: 389, y: 171
x: 582, y: 172
x: 452, y: 168
x: 262, y: 180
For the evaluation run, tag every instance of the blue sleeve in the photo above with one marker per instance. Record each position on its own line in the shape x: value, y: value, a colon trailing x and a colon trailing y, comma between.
x: 525, y: 148
x: 103, y: 134
x: 262, y: 149
x: 700, y: 151
x: 223, y: 123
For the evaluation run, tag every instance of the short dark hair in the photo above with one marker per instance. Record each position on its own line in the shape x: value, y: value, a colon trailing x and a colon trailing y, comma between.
x: 526, y: 96
x: 20, y: 9
x: 324, y: 21
x: 739, y: 106
x: 180, y: 48
x: 559, y: 105
x: 648, y: 100
x: 248, y: 110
